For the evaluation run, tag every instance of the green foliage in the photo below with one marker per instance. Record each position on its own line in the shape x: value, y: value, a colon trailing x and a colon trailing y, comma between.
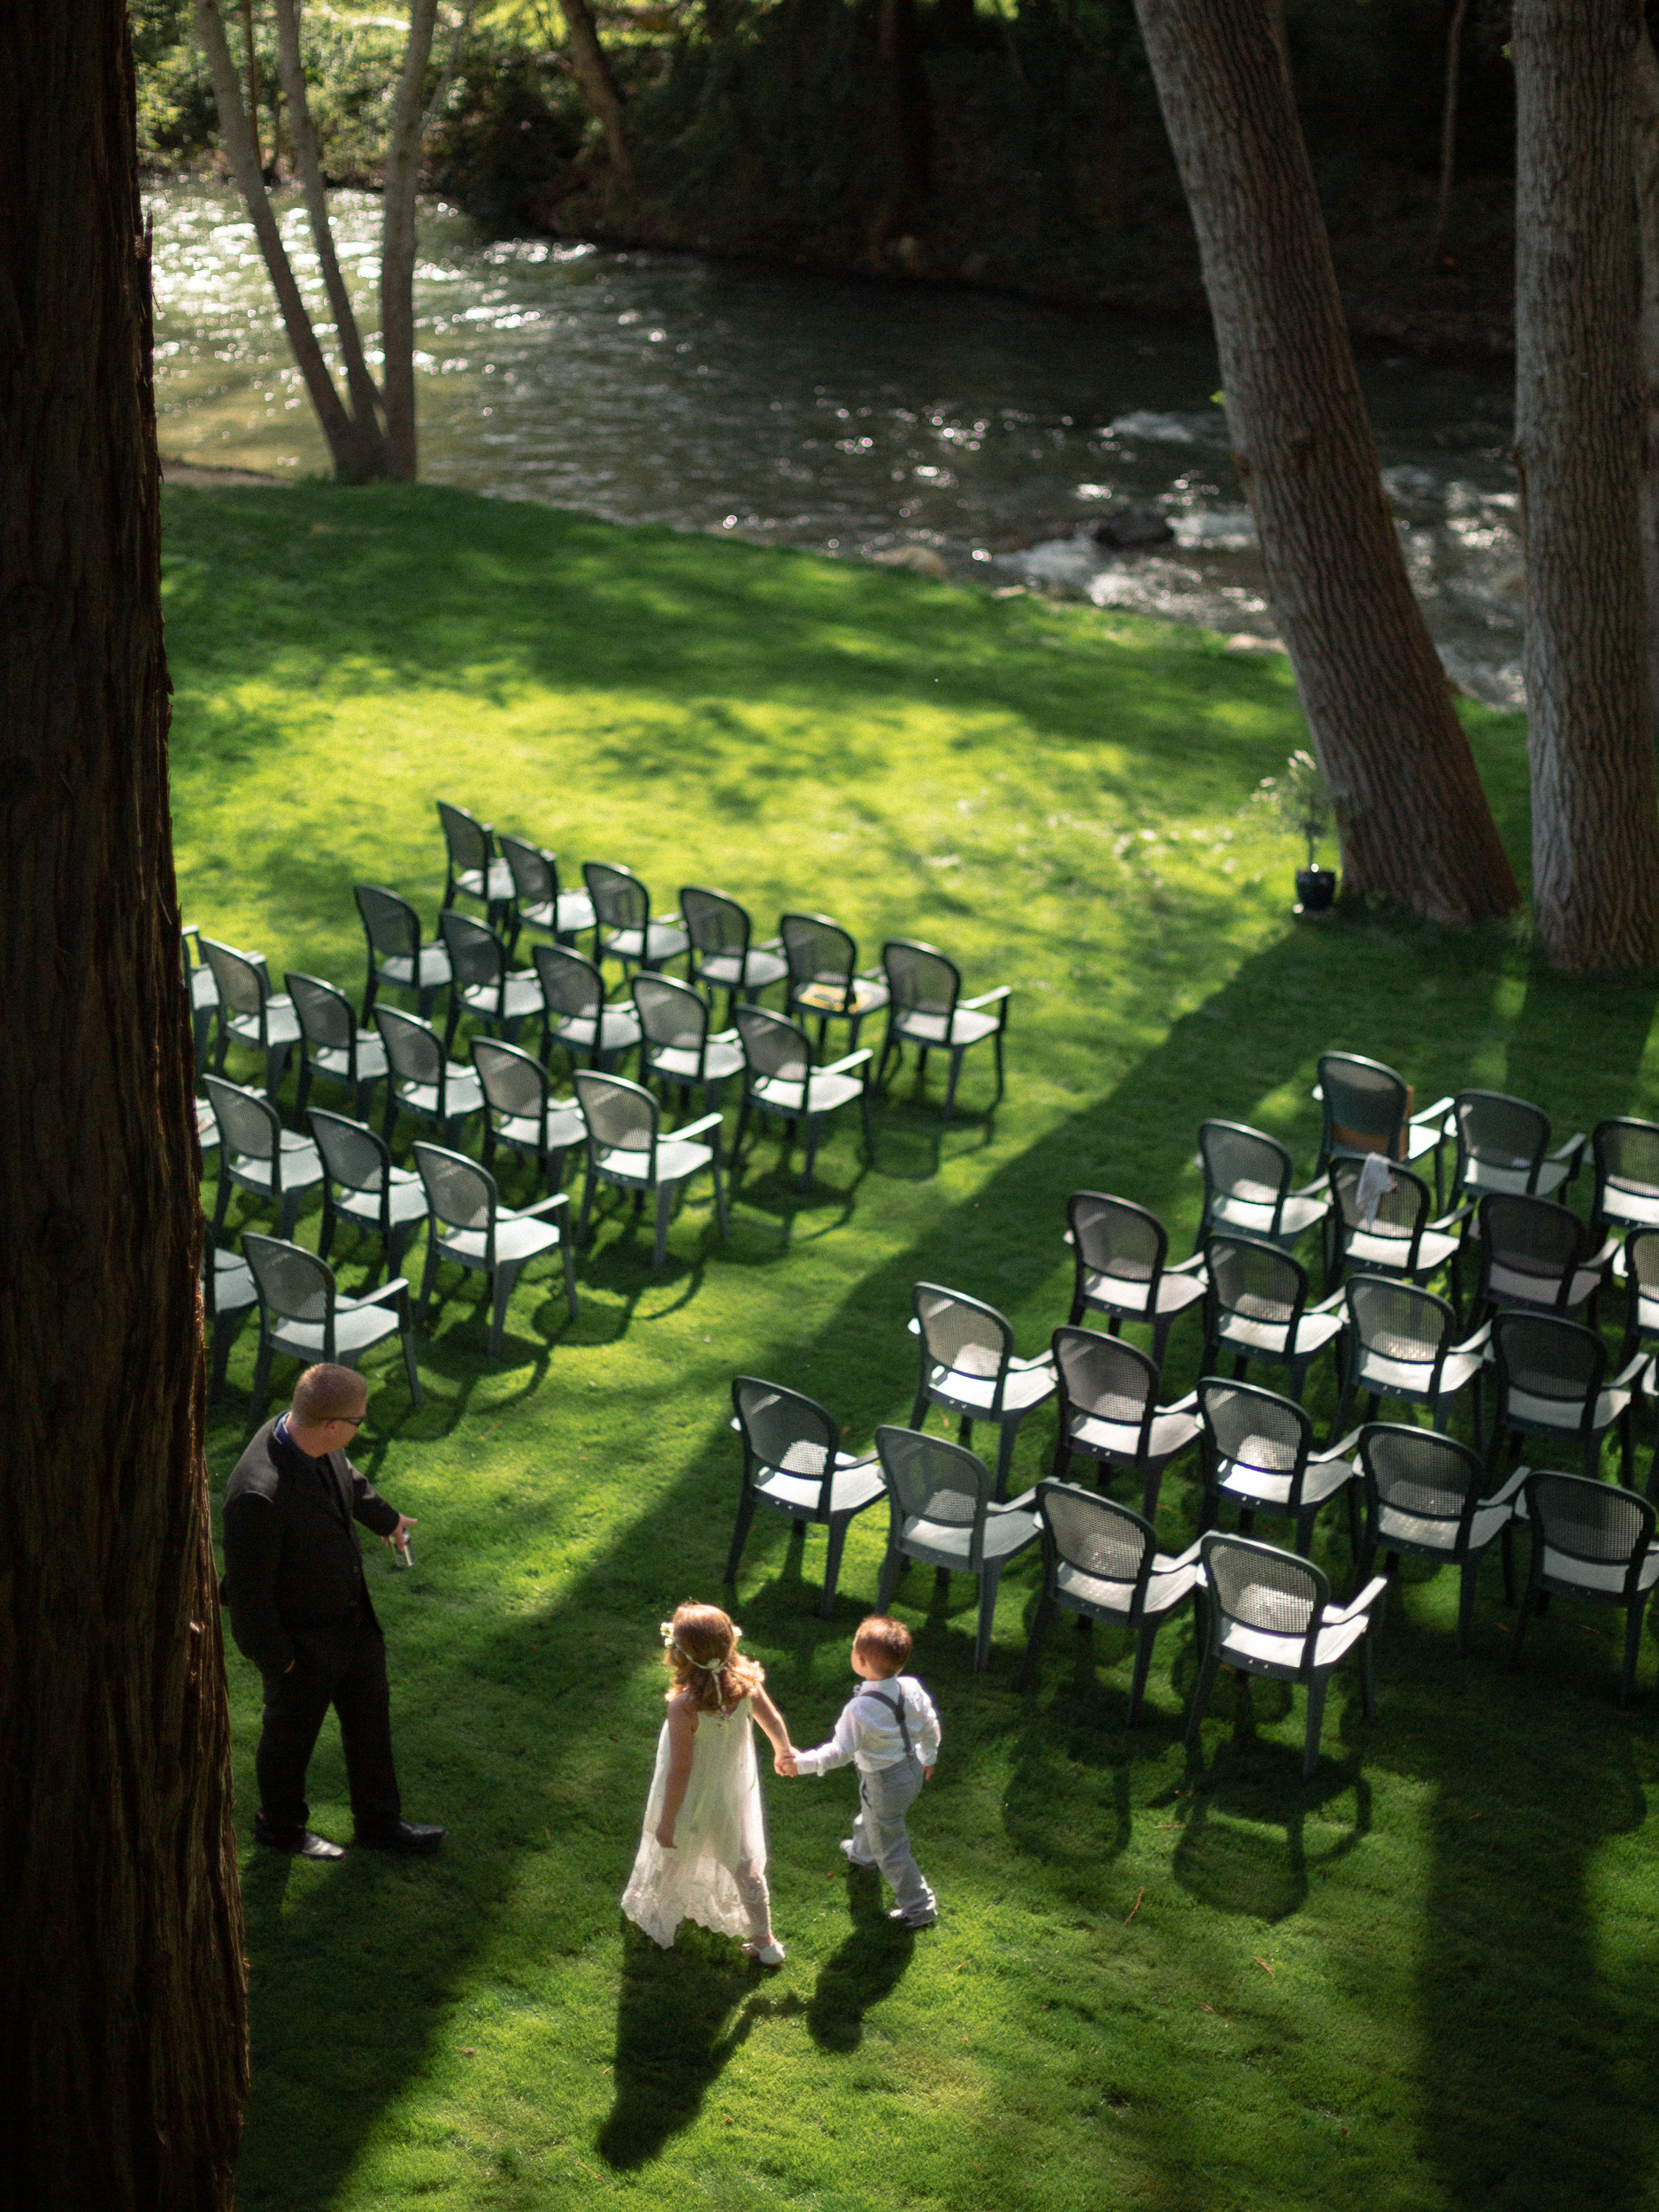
x: 1422, y: 1981
x: 512, y: 120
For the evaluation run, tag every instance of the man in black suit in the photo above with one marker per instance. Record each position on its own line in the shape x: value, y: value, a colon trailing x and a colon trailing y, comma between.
x: 300, y: 1610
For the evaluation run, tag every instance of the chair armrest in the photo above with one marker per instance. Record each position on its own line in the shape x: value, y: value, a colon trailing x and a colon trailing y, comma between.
x: 671, y: 918
x: 1630, y: 1375
x: 989, y: 998
x: 559, y: 1202
x: 1027, y: 1366
x: 1440, y: 1107
x: 1335, y: 1451
x: 1070, y: 1239
x: 1317, y: 1093
x: 769, y: 944
x: 736, y: 1425
x: 1571, y: 1151
x: 1333, y: 1616
x: 1478, y: 1342
x: 723, y: 1037
x: 1197, y: 1265
x: 914, y: 1325
x: 1605, y: 1257
x: 1449, y: 1221
x: 191, y: 929
x: 1330, y: 1304
x: 393, y: 1289
x: 1182, y: 1405
x: 697, y: 1128
x: 845, y: 1462
x: 1506, y: 1493
x: 1161, y: 1565
x: 1026, y: 1503
x: 1319, y: 1187
x: 840, y: 1067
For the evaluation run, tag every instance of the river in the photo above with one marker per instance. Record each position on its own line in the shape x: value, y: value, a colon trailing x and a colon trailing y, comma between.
x: 859, y: 419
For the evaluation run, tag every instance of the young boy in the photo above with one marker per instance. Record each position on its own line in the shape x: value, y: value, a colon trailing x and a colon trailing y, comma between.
x: 890, y: 1731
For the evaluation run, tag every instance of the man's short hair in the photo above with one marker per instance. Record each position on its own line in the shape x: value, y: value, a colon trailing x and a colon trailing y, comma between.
x: 327, y: 1393
x: 883, y: 1643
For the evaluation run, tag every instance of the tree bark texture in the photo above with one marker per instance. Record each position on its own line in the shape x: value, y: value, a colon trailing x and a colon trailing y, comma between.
x: 1645, y: 86
x: 366, y: 400
x: 397, y: 244
x: 1577, y: 450
x: 123, y: 2048
x: 1414, y: 820
x: 351, y: 448
x: 597, y: 84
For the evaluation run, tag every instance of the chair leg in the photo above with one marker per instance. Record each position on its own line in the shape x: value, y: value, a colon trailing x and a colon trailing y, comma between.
x: 998, y: 1048
x: 1201, y: 1693
x: 812, y: 1128
x: 1033, y: 1642
x: 1305, y: 1531
x: 740, y: 1537
x: 743, y: 1113
x: 506, y: 1274
x: 289, y: 1214
x: 408, y: 1335
x: 223, y: 1330
x: 388, y: 1120
x: 870, y: 1128
x: 950, y: 1087
x: 918, y: 1410
x: 261, y: 1378
x: 989, y: 1577
x: 568, y: 1250
x: 1367, y: 1676
x: 1316, y: 1723
x: 1004, y: 1457
x: 304, y: 1090
x: 1466, y: 1602
x: 892, y: 1566
x: 719, y: 1190
x: 1149, y: 1492
x: 221, y: 1202
x: 838, y: 1527
x: 428, y: 1278
x: 1506, y: 1545
x: 1143, y: 1667
x: 665, y: 1204
x: 881, y: 1064
x: 587, y: 1200
x: 1633, y: 1650
x: 1353, y: 1538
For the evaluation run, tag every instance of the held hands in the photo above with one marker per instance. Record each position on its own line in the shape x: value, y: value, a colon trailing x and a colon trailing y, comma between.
x: 784, y: 1762
x: 927, y: 1774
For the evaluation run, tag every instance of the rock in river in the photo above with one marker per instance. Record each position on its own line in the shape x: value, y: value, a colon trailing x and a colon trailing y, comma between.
x: 1124, y: 524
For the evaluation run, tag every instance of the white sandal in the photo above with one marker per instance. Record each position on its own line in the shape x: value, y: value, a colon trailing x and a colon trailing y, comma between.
x: 766, y: 1953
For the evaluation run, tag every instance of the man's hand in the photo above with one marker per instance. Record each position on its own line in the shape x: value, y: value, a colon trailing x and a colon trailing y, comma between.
x: 405, y: 1521
x: 785, y: 1762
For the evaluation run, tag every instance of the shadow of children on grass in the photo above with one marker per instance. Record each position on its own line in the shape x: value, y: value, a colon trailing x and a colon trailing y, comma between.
x: 681, y: 2016
x: 869, y: 1966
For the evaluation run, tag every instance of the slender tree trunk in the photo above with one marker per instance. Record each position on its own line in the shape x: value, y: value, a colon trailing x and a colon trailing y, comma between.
x: 1414, y: 821
x: 253, y: 83
x: 1645, y: 81
x: 597, y: 84
x: 349, y: 449
x: 366, y: 399
x: 1448, y: 128
x: 397, y: 246
x: 1578, y: 422
x: 123, y: 2042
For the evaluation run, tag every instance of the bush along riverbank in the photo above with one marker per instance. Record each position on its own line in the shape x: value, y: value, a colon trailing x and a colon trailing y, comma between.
x: 921, y: 144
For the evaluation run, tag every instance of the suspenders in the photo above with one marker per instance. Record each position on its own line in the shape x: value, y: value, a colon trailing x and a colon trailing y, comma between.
x: 896, y: 1706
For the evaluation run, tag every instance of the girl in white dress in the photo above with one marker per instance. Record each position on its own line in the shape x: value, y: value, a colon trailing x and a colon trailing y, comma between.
x: 702, y: 1853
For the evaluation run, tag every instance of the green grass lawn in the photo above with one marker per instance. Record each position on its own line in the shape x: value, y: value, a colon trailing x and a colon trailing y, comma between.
x: 1427, y: 1978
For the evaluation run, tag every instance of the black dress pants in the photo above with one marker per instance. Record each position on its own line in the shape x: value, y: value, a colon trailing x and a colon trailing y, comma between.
x: 344, y: 1667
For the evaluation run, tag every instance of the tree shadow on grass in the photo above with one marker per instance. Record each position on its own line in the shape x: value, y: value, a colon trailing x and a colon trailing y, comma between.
x: 682, y: 2015
x: 867, y: 1969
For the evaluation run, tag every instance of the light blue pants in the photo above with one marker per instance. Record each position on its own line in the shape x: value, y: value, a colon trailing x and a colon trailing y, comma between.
x: 880, y: 1838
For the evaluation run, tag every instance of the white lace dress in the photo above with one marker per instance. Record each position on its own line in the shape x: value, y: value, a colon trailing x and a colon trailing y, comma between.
x: 716, y: 1874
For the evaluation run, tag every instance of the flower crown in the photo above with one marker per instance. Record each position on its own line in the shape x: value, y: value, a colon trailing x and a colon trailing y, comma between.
x: 666, y: 1628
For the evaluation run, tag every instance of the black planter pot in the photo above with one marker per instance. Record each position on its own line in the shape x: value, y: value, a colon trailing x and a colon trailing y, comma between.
x: 1316, y: 889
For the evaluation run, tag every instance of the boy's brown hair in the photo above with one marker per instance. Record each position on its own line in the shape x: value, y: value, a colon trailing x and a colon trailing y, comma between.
x: 883, y: 1642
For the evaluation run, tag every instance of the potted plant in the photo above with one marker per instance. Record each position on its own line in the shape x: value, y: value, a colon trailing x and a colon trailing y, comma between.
x: 1303, y: 805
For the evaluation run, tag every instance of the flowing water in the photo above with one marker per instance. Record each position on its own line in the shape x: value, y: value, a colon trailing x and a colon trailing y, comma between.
x: 855, y: 418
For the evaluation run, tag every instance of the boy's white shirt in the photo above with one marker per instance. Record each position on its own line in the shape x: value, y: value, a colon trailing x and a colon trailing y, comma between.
x: 868, y: 1733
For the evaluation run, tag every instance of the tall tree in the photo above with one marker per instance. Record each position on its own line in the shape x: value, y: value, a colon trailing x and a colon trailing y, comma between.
x: 1645, y: 86
x: 596, y: 81
x: 1414, y: 821
x: 1577, y: 452
x: 123, y: 2047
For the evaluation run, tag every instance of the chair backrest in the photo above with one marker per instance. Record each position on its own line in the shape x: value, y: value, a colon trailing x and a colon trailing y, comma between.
x: 477, y: 956
x: 714, y: 923
x: 1641, y: 1263
x: 470, y: 842
x: 621, y: 1116
x: 818, y: 950
x: 1402, y: 1210
x: 1115, y: 1238
x: 1544, y: 1356
x: 929, y: 1479
x: 573, y: 989
x: 1627, y: 1157
x: 1097, y: 1537
x: 327, y: 1017
x: 515, y: 1083
x: 242, y: 983
x: 1363, y: 1105
x: 413, y: 1050
x: 1586, y: 1524
x: 1256, y: 1430
x: 620, y: 899
x: 352, y: 1153
x: 921, y: 980
x: 536, y: 876
x: 1397, y: 1321
x: 782, y: 1428
x: 1255, y: 1586
x: 1256, y: 1280
x: 1496, y: 1131
x: 1420, y: 1474
x: 461, y: 1195
x: 963, y: 1335
x: 1104, y: 1378
x: 389, y: 922
x: 293, y: 1285
x: 1242, y: 1162
x: 1533, y: 1238
x: 672, y: 1014
x: 775, y: 1048
x: 248, y: 1124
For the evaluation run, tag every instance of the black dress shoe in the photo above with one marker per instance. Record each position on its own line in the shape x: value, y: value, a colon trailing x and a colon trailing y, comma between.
x: 407, y: 1835
x: 304, y: 1845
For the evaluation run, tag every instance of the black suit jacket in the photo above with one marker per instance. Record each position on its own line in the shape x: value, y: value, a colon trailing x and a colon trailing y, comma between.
x: 292, y: 1561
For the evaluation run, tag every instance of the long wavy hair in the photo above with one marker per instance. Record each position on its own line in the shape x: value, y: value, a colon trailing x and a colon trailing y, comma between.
x: 700, y: 1652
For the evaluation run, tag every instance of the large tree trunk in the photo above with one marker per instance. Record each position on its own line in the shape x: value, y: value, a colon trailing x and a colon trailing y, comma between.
x: 1415, y: 823
x: 359, y: 384
x: 351, y: 446
x: 1595, y: 822
x: 596, y: 83
x: 1645, y: 82
x: 123, y: 2047
x: 397, y: 247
